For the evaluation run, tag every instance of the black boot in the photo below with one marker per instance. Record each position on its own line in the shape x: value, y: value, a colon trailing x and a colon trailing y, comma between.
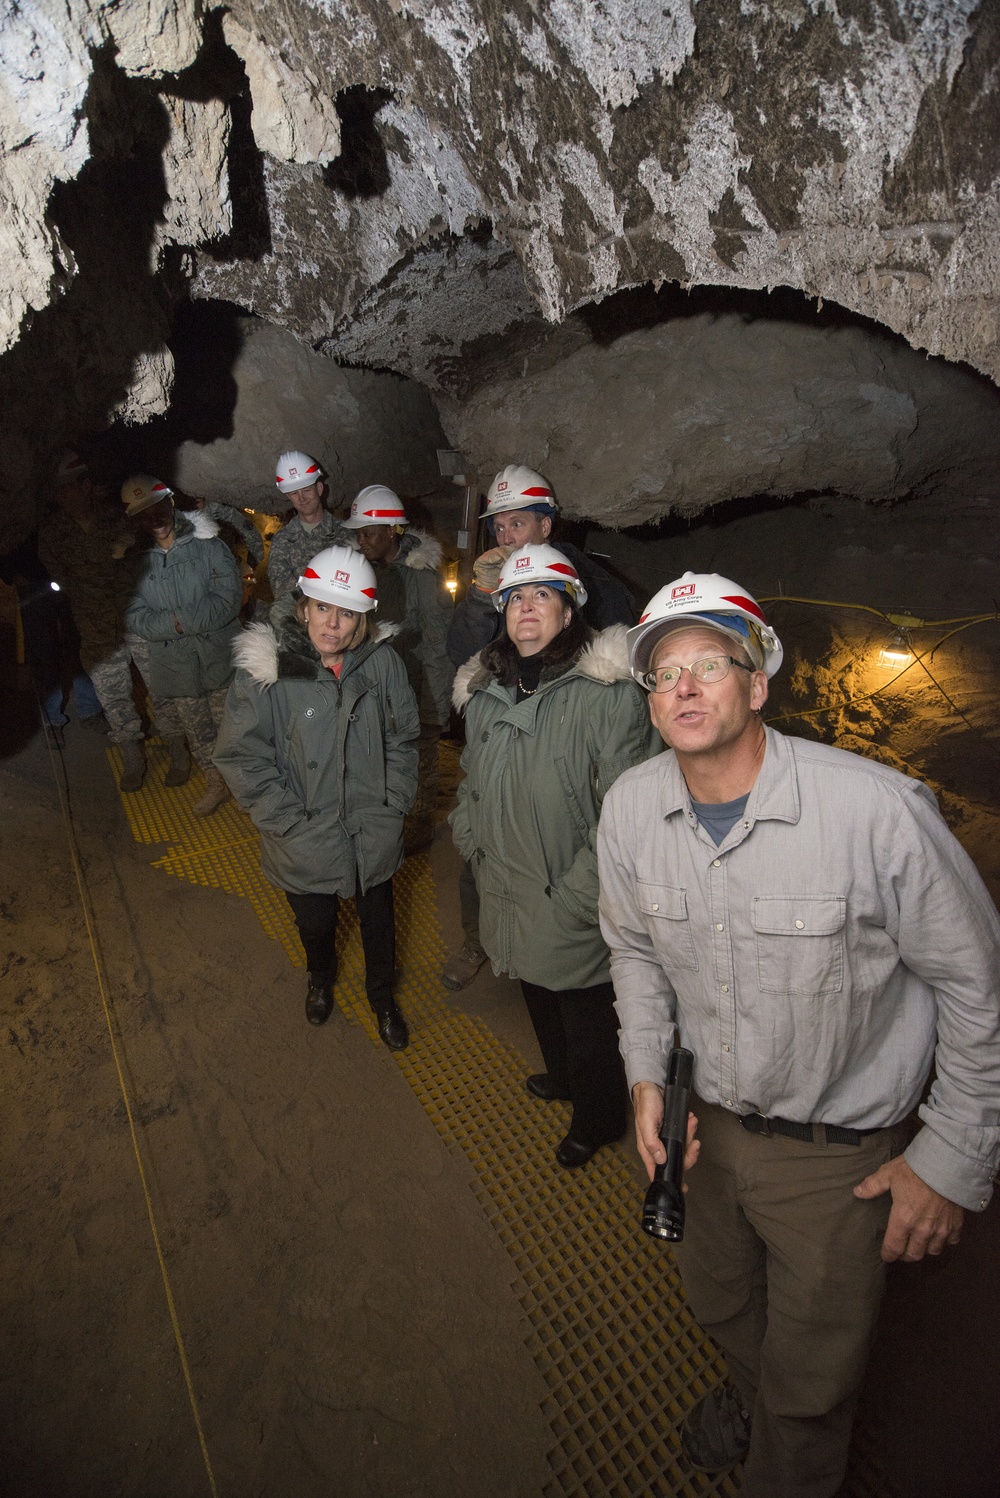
x: 392, y: 1026
x: 319, y: 1000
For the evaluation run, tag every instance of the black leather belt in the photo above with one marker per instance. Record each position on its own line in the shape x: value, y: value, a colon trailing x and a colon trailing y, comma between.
x: 809, y: 1133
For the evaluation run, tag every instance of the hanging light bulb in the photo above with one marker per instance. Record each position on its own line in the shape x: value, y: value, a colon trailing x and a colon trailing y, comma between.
x: 896, y: 652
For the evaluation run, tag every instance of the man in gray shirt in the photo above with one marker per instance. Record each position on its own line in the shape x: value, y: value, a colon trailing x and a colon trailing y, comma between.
x: 807, y: 924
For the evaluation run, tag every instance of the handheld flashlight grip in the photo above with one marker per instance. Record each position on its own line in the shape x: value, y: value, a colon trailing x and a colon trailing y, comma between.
x: 663, y: 1209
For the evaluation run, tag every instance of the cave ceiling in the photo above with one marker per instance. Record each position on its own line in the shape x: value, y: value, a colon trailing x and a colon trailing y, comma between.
x: 442, y: 188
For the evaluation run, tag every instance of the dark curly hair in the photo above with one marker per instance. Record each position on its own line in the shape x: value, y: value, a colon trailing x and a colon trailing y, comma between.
x: 501, y: 658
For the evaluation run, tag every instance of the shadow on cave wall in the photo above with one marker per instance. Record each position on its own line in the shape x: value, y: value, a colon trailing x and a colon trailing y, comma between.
x: 205, y: 340
x: 75, y: 361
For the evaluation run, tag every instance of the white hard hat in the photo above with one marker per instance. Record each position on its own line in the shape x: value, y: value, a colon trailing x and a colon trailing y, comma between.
x: 519, y: 488
x: 71, y: 467
x: 296, y: 471
x: 717, y: 603
x: 142, y: 492
x: 539, y: 564
x: 376, y: 505
x: 340, y: 575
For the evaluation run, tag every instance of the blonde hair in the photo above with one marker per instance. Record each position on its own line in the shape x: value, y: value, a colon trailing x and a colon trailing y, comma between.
x: 365, y: 628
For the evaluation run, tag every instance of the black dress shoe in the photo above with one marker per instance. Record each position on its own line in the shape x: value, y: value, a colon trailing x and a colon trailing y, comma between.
x: 541, y: 1085
x: 392, y: 1029
x: 319, y: 1003
x: 573, y: 1152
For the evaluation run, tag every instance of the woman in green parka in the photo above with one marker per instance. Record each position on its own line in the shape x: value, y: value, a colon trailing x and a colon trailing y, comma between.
x: 552, y: 719
x: 319, y: 745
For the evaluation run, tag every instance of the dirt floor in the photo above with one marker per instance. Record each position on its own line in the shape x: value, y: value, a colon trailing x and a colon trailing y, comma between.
x: 352, y: 1323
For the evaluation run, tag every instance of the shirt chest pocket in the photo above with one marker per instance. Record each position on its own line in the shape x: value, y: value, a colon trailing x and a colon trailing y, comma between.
x: 800, y: 943
x: 664, y: 909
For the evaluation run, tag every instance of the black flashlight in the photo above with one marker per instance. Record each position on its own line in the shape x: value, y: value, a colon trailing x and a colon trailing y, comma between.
x: 663, y: 1209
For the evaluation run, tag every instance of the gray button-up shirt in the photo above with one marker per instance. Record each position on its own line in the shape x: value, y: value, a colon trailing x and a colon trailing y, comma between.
x: 836, y: 942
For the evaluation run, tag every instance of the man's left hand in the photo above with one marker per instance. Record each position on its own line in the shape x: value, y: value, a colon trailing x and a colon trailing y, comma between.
x: 920, y: 1221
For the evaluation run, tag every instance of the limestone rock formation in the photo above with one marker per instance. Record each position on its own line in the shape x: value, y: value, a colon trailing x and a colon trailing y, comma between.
x: 851, y: 151
x: 427, y: 186
x: 698, y: 410
x: 364, y: 427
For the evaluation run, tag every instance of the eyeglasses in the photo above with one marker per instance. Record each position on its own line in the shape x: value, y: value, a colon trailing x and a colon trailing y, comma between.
x: 712, y: 668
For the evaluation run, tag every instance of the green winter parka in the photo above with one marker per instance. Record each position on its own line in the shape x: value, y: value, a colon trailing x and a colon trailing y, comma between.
x: 327, y: 769
x: 536, y: 773
x: 197, y: 584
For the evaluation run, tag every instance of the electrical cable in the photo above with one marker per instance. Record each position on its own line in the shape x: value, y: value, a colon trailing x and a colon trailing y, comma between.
x: 901, y: 621
x: 62, y: 790
x: 918, y: 660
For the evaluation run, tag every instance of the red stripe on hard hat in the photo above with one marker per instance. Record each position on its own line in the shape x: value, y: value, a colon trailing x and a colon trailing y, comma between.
x: 745, y: 603
x: 384, y: 514
x: 537, y: 493
x: 280, y: 477
x: 368, y: 592
x: 564, y: 567
x: 313, y: 468
x: 310, y: 573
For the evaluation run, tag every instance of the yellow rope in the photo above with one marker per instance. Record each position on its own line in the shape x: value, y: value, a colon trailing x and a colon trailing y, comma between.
x: 59, y: 775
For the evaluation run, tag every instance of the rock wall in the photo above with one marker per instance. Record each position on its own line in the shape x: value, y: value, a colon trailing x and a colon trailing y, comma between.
x: 852, y: 151
x: 699, y: 410
x: 364, y: 427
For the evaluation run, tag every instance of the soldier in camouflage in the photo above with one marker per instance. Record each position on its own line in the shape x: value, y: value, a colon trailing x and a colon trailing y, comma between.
x: 311, y: 530
x: 80, y: 542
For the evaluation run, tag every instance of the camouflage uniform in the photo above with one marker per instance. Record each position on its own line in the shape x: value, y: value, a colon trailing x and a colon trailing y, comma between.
x: 294, y: 546
x: 84, y: 563
x: 199, y: 718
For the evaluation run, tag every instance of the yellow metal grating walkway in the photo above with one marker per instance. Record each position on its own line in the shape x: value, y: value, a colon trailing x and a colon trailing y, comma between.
x: 611, y: 1334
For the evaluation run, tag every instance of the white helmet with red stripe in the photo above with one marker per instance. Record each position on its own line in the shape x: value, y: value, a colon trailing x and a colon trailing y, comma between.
x: 342, y: 576
x: 519, y: 488
x: 376, y: 505
x: 296, y: 471
x: 142, y: 492
x: 71, y: 469
x: 539, y: 564
x: 713, y: 601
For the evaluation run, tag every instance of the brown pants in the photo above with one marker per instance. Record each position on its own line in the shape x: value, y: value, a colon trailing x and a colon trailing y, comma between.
x: 781, y: 1266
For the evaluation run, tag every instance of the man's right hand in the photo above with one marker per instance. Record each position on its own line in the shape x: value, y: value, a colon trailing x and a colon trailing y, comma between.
x: 487, y: 568
x: 647, y: 1101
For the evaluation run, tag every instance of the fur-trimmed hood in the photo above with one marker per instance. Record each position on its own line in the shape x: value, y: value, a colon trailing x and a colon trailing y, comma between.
x: 604, y: 660
x: 419, y: 551
x: 283, y: 651
x: 204, y: 527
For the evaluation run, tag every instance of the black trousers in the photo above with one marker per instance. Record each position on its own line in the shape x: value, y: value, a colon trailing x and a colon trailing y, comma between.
x: 316, y: 918
x: 577, y: 1031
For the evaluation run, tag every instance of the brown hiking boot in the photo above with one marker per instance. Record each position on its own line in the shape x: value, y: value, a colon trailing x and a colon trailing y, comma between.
x: 216, y: 793
x: 462, y: 966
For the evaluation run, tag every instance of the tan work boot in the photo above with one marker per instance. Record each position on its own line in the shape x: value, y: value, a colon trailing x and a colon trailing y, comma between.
x: 133, y: 766
x: 216, y: 792
x: 462, y: 966
x: 179, y: 768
